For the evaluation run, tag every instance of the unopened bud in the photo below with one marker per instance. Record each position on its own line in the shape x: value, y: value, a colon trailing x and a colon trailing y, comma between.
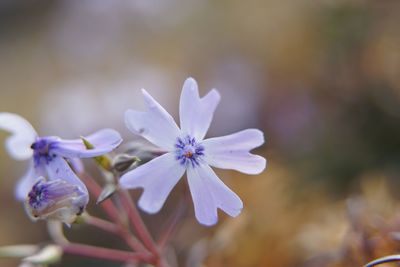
x: 107, y: 192
x: 124, y: 162
x: 55, y: 200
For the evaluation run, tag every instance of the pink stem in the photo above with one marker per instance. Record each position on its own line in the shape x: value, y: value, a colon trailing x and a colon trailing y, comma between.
x: 171, y: 225
x: 137, y: 222
x: 95, y: 189
x: 112, y: 212
x: 103, y: 224
x: 106, y: 253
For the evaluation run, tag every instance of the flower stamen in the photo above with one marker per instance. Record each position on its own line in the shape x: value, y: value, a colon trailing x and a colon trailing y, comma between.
x: 188, y: 151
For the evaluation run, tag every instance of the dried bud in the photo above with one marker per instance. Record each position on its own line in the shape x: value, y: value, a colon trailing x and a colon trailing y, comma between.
x: 124, y: 162
x: 55, y: 200
x: 107, y: 192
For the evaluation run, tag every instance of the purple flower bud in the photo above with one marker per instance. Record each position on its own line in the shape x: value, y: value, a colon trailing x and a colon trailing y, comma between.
x: 55, y: 200
x: 49, y: 154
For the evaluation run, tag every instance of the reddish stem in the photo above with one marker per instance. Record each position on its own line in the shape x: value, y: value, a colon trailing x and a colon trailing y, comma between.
x: 102, y: 224
x: 137, y: 222
x: 135, y: 219
x: 112, y: 212
x: 106, y: 253
x: 172, y: 224
x: 95, y: 189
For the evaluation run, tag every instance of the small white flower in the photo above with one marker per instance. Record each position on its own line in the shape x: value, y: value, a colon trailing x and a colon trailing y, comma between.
x: 187, y: 150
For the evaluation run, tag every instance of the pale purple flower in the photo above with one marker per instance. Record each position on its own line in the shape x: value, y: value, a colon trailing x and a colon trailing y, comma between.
x: 48, y: 167
x: 187, y: 150
x: 55, y: 199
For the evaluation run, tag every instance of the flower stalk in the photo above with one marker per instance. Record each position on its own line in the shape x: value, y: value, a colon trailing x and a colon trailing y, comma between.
x: 112, y: 211
x: 106, y: 253
x: 137, y: 222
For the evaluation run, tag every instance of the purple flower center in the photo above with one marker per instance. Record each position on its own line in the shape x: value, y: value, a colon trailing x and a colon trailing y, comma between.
x: 38, y: 195
x: 41, y: 150
x: 188, y: 151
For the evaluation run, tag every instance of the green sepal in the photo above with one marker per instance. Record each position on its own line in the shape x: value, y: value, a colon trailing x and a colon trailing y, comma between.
x: 103, y: 161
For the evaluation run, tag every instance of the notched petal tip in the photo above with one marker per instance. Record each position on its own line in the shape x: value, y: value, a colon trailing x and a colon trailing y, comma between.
x: 211, y: 221
x: 151, y: 207
x: 214, y: 94
x: 259, y: 166
x: 233, y: 151
x: 191, y: 85
x: 254, y: 135
x: 196, y: 112
x: 207, y: 222
x: 209, y: 194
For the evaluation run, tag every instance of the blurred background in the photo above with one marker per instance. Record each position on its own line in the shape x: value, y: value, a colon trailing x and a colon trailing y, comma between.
x: 320, y: 78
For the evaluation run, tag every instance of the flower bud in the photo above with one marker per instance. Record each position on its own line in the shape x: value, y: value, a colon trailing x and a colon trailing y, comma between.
x: 55, y: 200
x: 124, y: 162
x: 106, y: 193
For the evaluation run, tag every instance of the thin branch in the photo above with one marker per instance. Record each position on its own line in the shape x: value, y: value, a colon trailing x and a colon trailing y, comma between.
x: 112, y: 212
x: 137, y: 222
x: 172, y: 224
x: 102, y: 224
x: 106, y: 253
x: 95, y: 189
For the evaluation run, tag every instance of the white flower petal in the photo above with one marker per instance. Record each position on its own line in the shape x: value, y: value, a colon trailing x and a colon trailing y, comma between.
x: 157, y: 177
x: 232, y: 151
x: 26, y: 182
x: 155, y: 124
x: 23, y: 135
x: 209, y: 193
x: 196, y: 113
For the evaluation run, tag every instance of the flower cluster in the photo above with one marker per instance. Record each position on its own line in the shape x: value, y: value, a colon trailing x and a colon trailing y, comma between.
x: 51, y: 188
